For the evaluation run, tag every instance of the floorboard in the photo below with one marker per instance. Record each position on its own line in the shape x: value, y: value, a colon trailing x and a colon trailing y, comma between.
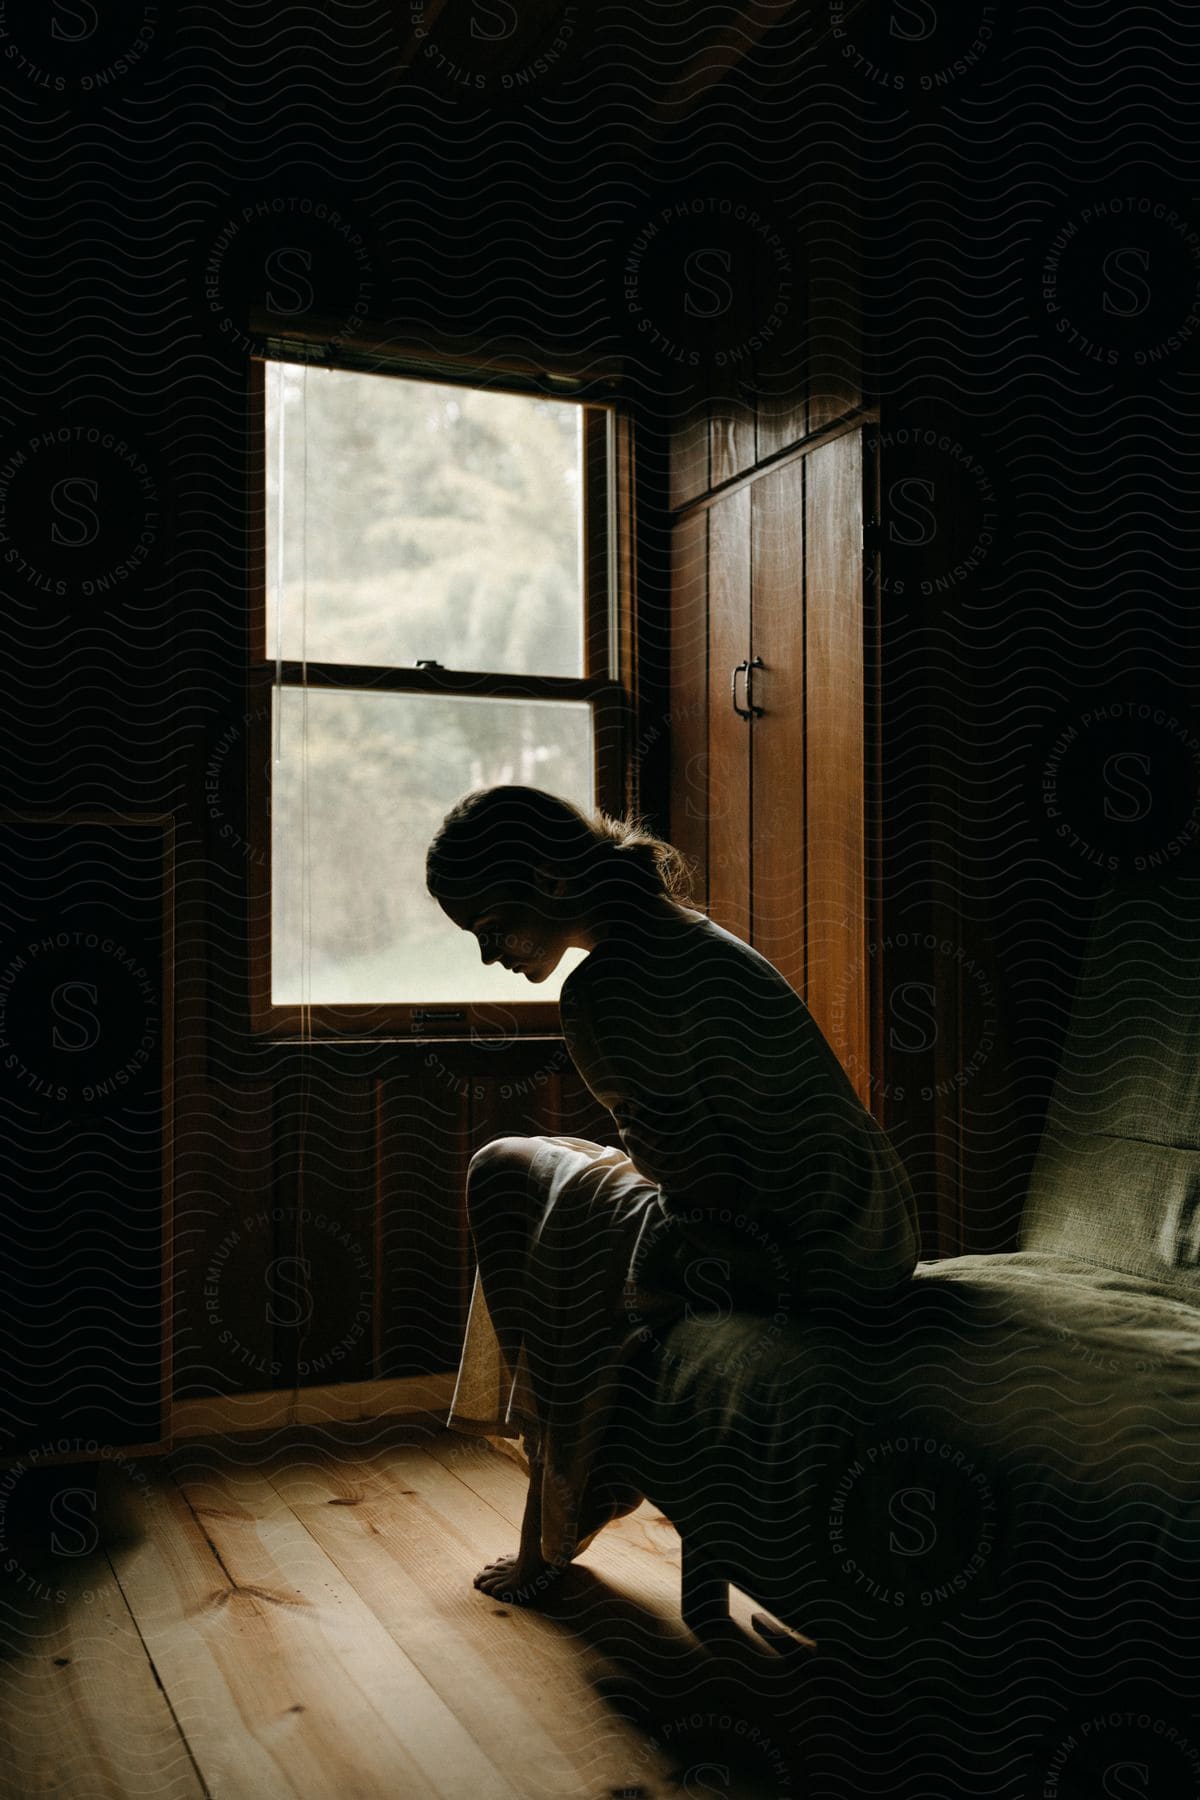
x: 80, y: 1710
x: 292, y: 1615
x: 407, y: 1533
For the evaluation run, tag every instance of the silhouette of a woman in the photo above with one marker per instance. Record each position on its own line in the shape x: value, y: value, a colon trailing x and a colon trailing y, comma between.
x: 749, y: 1173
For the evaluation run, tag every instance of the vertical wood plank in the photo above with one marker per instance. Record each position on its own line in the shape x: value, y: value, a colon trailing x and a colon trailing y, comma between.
x: 632, y: 631
x: 835, y: 384
x: 731, y: 432
x: 777, y: 739
x: 689, y: 448
x: 405, y: 1543
x: 490, y: 1115
x: 782, y: 411
x: 319, y: 1280
x: 916, y: 1063
x: 874, y: 772
x: 423, y: 1241
x: 596, y: 538
x: 687, y: 720
x: 524, y: 1100
x: 224, y: 1173
x: 838, y: 951
x: 282, y: 1679
x: 729, y: 736
x: 80, y: 1709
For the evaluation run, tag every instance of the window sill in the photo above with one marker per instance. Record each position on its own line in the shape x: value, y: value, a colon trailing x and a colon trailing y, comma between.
x: 273, y: 1057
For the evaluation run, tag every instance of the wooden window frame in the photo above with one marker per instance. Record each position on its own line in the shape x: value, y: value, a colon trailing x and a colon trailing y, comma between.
x: 607, y: 684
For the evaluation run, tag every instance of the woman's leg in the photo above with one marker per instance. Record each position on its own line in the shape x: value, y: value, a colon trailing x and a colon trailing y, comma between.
x: 500, y: 1211
x: 500, y: 1208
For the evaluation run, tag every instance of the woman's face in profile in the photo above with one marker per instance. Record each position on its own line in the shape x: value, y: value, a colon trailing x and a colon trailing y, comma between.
x: 521, y: 935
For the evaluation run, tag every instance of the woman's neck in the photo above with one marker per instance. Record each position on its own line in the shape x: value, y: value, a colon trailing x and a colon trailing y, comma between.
x: 653, y: 914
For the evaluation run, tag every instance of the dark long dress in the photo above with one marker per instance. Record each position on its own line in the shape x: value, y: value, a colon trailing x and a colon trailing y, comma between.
x: 749, y: 1175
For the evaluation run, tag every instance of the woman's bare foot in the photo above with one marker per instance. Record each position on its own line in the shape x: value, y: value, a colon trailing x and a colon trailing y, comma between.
x: 526, y: 1578
x: 517, y: 1583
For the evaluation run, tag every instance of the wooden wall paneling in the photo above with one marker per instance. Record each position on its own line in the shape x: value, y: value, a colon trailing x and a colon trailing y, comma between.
x: 782, y: 410
x: 731, y: 428
x: 834, y: 258
x: 625, y: 572
x: 729, y: 577
x: 777, y: 739
x: 689, y: 427
x: 85, y: 1088
x: 319, y: 1279
x: 687, y: 720
x: 781, y: 378
x: 944, y: 982
x: 921, y: 1023
x: 224, y: 1179
x: 922, y: 1036
x: 988, y: 1105
x: 524, y: 1101
x: 875, y: 766
x: 838, y: 947
x: 424, y: 1252
x: 193, y: 1212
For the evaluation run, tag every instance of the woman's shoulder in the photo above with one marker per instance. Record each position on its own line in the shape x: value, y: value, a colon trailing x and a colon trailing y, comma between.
x: 675, y: 957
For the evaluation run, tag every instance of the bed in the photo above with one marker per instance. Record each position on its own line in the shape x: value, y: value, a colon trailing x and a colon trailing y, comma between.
x: 988, y: 1501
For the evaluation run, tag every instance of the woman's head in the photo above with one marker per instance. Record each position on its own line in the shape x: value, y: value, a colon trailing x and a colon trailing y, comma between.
x: 533, y: 874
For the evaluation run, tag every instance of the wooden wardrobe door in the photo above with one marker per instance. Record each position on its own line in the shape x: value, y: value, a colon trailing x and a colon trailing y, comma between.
x: 690, y: 703
x: 839, y: 954
x: 775, y: 806
x: 778, y: 760
x: 728, y: 735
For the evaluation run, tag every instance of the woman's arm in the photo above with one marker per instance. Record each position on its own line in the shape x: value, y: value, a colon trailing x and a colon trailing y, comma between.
x: 678, y: 1145
x: 672, y: 1137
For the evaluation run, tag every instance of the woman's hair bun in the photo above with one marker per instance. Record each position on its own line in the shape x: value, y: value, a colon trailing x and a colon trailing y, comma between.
x: 659, y: 865
x: 496, y: 836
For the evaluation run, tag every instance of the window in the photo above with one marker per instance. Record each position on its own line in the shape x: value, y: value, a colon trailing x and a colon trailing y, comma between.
x: 435, y: 613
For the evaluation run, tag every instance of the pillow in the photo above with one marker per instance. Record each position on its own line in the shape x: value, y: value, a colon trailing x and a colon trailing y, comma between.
x: 1117, y: 1175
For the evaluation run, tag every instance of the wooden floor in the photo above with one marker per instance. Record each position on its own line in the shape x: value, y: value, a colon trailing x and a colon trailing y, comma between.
x: 295, y: 1616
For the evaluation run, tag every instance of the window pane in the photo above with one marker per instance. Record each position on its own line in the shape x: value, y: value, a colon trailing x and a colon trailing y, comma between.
x: 410, y: 519
x: 362, y: 783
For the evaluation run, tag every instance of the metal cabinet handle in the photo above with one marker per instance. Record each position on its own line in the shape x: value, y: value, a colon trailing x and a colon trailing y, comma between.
x: 749, y: 711
x: 755, y: 711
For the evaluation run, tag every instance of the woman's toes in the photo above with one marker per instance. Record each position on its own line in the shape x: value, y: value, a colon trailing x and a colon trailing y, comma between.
x: 495, y: 1576
x: 503, y: 1580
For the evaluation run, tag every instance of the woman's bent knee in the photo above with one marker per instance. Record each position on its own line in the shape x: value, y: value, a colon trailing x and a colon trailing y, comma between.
x: 502, y: 1153
x: 498, y: 1168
